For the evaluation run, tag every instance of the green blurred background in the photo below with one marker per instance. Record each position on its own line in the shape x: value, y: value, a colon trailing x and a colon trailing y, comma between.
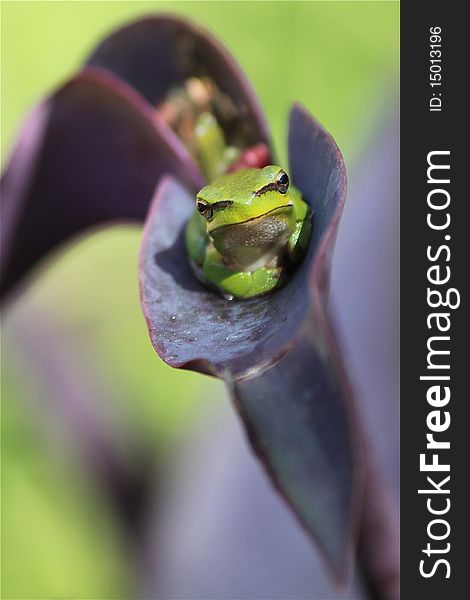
x: 59, y: 537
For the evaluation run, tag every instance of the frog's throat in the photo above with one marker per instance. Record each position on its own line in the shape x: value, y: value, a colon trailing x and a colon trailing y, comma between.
x: 255, y: 242
x: 217, y: 230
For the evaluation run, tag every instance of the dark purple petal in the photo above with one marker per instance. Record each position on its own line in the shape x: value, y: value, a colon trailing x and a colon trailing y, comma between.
x: 159, y: 53
x: 300, y: 428
x: 277, y: 352
x: 190, y: 325
x: 90, y: 153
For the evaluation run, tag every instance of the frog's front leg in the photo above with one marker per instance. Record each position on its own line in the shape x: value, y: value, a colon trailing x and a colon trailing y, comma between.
x: 239, y: 284
x: 298, y: 241
x: 300, y: 237
x: 196, y: 239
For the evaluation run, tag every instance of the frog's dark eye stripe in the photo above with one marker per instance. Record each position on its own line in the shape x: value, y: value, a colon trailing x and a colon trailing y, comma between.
x: 207, y: 210
x: 281, y: 185
x: 222, y: 204
x: 204, y: 209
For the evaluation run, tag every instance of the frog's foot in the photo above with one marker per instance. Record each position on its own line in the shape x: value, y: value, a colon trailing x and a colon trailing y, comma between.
x: 240, y: 284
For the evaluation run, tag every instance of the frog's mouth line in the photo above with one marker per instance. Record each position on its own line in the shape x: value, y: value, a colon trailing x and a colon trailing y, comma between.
x: 269, y: 212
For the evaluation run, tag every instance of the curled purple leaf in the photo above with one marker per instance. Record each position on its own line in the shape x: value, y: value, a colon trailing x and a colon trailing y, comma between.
x: 95, y: 149
x: 297, y: 422
x: 276, y: 352
x: 157, y: 54
x: 90, y: 153
x: 190, y: 325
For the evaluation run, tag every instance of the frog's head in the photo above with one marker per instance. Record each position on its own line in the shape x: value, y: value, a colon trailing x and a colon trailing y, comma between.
x: 249, y: 215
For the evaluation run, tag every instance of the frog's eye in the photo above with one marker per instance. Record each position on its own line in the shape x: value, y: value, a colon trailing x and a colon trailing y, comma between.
x: 204, y: 209
x: 282, y: 182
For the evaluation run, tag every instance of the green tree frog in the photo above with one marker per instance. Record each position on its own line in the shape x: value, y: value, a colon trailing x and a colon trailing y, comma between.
x: 249, y: 229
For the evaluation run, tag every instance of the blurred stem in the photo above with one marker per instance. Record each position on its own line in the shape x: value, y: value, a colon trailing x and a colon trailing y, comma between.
x: 74, y: 411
